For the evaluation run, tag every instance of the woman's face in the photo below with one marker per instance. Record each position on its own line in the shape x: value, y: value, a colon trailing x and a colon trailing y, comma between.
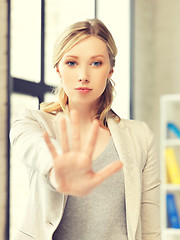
x: 84, y: 70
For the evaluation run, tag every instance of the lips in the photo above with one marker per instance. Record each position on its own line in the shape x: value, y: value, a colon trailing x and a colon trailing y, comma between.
x: 83, y: 90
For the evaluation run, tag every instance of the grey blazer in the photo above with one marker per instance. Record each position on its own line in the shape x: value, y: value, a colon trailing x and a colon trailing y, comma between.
x: 135, y: 145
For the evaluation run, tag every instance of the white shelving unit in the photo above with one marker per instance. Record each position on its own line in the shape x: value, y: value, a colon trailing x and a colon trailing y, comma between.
x: 169, y: 112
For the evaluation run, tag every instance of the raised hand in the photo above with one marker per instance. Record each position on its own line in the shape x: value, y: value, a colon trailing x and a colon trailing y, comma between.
x: 73, y: 168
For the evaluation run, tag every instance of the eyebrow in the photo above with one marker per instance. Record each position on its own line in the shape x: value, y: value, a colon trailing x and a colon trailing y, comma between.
x: 76, y: 57
x: 97, y: 56
x: 72, y: 56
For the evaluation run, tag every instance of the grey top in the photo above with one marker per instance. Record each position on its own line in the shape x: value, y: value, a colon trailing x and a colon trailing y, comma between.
x: 100, y: 215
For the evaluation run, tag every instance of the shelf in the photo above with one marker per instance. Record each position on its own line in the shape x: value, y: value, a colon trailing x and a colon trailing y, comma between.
x: 172, y: 231
x: 171, y: 187
x: 171, y: 98
x: 172, y: 142
x: 169, y: 112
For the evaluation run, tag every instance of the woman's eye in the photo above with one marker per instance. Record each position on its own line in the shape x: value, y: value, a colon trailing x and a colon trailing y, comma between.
x: 97, y: 63
x: 71, y: 63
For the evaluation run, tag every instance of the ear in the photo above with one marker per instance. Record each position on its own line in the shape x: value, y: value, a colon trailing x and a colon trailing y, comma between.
x: 58, y: 72
x: 110, y: 73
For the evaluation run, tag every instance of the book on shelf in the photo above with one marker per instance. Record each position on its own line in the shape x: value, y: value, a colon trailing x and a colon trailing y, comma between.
x: 172, y: 127
x: 172, y: 211
x: 172, y: 166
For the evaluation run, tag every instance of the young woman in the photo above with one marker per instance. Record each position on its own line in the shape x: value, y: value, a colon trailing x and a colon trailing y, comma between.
x: 91, y: 174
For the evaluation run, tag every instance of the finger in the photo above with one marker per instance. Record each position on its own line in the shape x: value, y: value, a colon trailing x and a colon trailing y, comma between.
x: 50, y: 145
x: 64, y: 135
x: 92, y: 138
x: 107, y: 172
x: 75, y: 130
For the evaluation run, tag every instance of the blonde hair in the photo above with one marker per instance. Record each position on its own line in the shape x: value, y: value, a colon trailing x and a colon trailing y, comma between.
x: 71, y: 36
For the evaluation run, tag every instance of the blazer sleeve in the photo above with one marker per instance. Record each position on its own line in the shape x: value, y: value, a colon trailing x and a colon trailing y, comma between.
x: 26, y: 137
x: 150, y: 212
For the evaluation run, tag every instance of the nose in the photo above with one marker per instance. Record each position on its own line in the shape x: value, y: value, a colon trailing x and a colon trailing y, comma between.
x: 84, y: 80
x: 83, y: 75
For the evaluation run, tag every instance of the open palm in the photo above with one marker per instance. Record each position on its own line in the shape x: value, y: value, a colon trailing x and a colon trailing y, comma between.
x: 73, y: 168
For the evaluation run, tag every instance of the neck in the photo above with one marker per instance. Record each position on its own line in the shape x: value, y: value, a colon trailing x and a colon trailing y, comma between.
x: 84, y: 112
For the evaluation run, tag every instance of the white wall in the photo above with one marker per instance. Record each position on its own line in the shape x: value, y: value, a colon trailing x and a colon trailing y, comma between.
x: 156, y: 57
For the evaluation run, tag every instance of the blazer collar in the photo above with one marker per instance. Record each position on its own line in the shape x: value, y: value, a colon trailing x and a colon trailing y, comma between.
x: 124, y: 144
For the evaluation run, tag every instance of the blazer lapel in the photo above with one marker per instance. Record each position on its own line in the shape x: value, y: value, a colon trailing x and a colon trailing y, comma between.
x: 127, y: 153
